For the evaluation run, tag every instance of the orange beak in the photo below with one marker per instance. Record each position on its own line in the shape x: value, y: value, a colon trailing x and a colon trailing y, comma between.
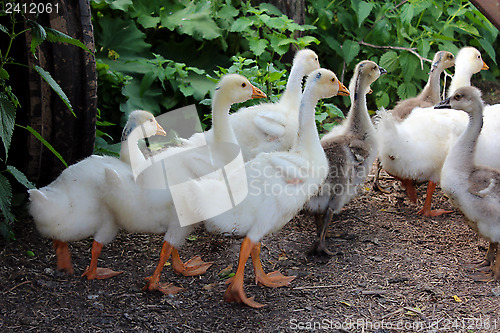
x: 257, y: 93
x: 160, y: 130
x: 342, y: 90
x: 485, y: 67
x: 370, y: 91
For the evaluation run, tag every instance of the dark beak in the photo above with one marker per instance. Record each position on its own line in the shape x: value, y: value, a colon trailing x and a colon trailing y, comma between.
x: 382, y: 71
x: 444, y: 104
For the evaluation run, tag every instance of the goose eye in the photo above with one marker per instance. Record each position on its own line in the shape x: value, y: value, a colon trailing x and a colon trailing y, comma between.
x: 458, y: 97
x: 243, y: 85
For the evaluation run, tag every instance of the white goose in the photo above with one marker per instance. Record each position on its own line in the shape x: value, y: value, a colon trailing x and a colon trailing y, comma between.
x: 468, y: 63
x: 279, y: 185
x: 474, y: 189
x: 351, y: 150
x: 138, y: 208
x: 430, y: 94
x: 428, y: 97
x: 268, y: 127
x: 70, y: 208
x: 414, y: 149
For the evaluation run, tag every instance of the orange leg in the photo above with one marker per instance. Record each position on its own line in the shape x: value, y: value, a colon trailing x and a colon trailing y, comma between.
x: 192, y: 267
x: 426, y: 210
x: 92, y: 272
x: 235, y: 292
x: 495, y: 267
x: 63, y: 257
x: 274, y: 279
x: 154, y: 280
x: 410, y: 189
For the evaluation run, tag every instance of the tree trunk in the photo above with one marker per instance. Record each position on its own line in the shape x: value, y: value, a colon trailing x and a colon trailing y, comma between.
x: 74, y: 70
x: 295, y: 10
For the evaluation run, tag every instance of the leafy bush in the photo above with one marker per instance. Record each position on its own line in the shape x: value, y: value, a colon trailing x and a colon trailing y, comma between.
x: 9, y: 105
x: 174, y: 50
x: 397, y: 35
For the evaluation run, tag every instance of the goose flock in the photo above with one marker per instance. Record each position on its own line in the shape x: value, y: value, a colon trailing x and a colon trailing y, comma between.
x: 454, y: 143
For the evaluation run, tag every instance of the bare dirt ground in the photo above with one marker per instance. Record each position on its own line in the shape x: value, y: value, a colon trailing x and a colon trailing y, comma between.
x: 393, y: 271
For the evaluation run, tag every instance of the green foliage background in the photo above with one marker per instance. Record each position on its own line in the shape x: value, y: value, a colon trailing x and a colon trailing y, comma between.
x: 159, y: 55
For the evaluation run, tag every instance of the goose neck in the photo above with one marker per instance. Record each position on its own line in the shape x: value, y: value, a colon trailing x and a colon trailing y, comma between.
x: 358, y: 119
x: 432, y: 88
x: 308, y: 138
x: 222, y: 129
x: 129, y: 150
x: 464, y: 148
x: 293, y: 91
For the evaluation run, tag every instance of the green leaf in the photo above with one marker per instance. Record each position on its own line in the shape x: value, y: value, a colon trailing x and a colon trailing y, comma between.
x: 407, y: 12
x: 334, y: 45
x: 4, y: 74
x: 146, y: 82
x: 122, y: 37
x: 467, y: 28
x: 194, y: 20
x: 228, y: 11
x: 7, y: 121
x: 389, y: 61
x: 489, y: 49
x: 20, y: 177
x: 446, y: 38
x: 364, y: 9
x: 55, y: 86
x: 148, y: 21
x: 383, y: 101
x: 350, y: 49
x: 122, y: 5
x: 258, y: 46
x: 6, y: 198
x: 307, y: 40
x: 38, y: 35
x: 4, y: 29
x: 241, y: 24
x: 270, y: 8
x: 407, y: 90
x: 57, y: 36
x: 409, y: 64
x: 334, y: 111
x: 45, y: 143
x: 320, y: 117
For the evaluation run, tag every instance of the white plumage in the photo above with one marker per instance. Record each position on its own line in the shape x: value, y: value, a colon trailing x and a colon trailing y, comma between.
x: 416, y: 147
x: 351, y: 150
x: 474, y: 189
x: 279, y: 185
x: 139, y: 208
x: 70, y: 208
x: 269, y: 127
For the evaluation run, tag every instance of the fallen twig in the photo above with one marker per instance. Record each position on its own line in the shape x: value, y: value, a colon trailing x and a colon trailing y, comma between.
x: 319, y: 287
x: 373, y: 292
x: 412, y: 50
x: 20, y: 284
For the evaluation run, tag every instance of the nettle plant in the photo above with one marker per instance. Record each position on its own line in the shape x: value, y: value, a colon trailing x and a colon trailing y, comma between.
x: 9, y: 105
x: 401, y: 36
x: 173, y: 51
